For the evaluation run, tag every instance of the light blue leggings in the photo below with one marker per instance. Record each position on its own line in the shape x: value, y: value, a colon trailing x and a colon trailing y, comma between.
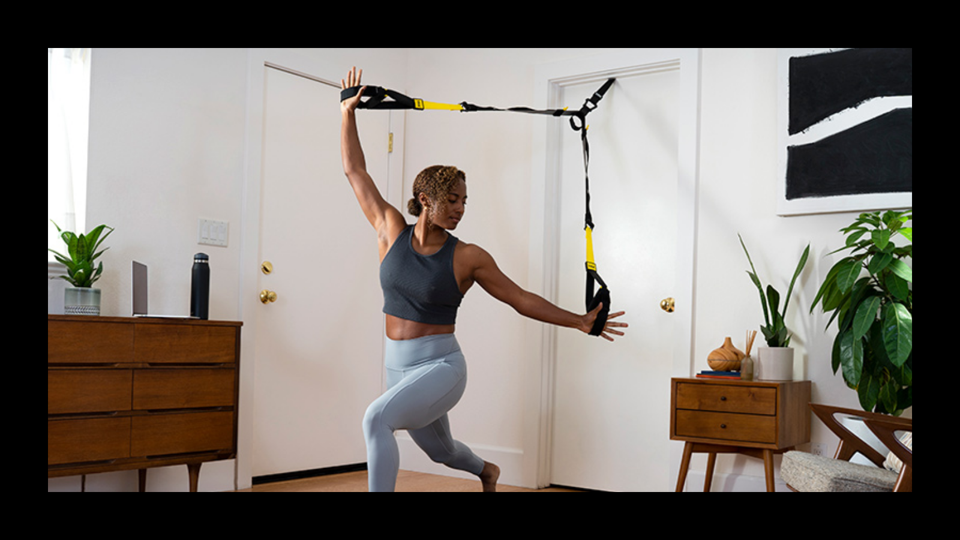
x: 426, y: 377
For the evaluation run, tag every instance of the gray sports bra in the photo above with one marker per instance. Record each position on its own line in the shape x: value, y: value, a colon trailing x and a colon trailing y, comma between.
x: 417, y: 287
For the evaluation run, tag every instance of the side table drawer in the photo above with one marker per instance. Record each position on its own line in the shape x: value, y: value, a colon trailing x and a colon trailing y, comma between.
x: 726, y: 426
x: 727, y: 398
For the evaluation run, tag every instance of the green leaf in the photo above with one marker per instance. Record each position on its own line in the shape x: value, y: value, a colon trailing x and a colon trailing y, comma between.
x: 888, y: 396
x: 800, y: 264
x: 774, y: 298
x: 897, y: 287
x: 879, y: 262
x: 880, y: 237
x: 852, y: 239
x: 847, y: 274
x: 868, y: 391
x: 901, y: 269
x: 907, y: 233
x: 851, y: 358
x: 865, y: 316
x: 897, y: 332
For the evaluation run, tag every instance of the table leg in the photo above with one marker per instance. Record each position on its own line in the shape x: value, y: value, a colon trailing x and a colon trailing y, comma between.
x: 711, y: 461
x: 768, y: 469
x: 684, y: 464
x: 194, y: 470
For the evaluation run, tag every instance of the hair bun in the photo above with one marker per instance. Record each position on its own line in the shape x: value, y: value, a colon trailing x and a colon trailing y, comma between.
x: 414, y: 207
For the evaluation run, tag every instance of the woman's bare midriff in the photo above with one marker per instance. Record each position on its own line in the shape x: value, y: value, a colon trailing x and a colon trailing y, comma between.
x: 401, y: 329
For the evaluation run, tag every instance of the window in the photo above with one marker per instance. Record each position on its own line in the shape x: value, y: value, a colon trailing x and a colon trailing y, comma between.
x: 68, y: 104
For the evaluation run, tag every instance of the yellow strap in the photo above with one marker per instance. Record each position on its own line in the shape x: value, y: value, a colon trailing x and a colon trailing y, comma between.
x: 590, y: 264
x: 421, y: 104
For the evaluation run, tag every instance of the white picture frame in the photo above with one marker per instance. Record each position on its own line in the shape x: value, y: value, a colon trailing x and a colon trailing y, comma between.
x: 840, y: 122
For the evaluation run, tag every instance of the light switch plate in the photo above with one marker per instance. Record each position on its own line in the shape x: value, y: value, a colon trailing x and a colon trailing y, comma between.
x: 212, y: 233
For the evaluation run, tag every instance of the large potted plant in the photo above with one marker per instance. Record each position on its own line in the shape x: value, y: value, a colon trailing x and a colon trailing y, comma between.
x: 874, y: 313
x: 82, y: 298
x: 776, y: 359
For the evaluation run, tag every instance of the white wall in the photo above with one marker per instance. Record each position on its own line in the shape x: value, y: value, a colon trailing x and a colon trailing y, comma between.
x: 167, y: 147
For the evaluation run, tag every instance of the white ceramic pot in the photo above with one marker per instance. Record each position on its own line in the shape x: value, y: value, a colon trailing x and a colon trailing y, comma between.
x: 776, y: 363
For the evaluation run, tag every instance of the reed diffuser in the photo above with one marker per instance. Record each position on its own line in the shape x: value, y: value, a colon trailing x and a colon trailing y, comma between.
x: 746, y: 365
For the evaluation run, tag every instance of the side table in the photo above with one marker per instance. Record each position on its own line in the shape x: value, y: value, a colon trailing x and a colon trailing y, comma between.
x: 754, y: 418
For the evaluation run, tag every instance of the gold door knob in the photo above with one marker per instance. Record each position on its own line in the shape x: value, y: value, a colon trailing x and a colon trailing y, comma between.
x: 667, y: 305
x: 268, y: 296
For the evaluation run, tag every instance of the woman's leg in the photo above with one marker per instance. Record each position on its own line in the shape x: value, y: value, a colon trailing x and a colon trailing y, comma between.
x: 417, y: 402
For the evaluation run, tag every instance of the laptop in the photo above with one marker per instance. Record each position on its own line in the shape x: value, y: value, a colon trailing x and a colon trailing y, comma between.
x: 140, y: 295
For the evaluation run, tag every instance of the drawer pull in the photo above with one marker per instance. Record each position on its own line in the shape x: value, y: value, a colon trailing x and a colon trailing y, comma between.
x: 723, y: 426
x: 723, y: 398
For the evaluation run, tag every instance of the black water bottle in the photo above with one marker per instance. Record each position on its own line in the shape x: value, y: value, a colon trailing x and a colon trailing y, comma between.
x: 200, y: 287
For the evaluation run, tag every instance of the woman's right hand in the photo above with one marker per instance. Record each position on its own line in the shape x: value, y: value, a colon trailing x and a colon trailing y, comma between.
x: 353, y: 79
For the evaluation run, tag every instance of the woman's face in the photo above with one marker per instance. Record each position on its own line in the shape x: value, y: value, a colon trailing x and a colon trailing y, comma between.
x: 448, y: 214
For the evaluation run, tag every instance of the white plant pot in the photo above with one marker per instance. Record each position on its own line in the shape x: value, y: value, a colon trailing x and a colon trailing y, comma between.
x: 776, y: 363
x: 81, y: 301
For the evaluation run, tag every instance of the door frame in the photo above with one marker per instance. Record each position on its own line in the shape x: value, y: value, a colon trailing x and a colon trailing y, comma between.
x: 314, y: 68
x: 544, y: 241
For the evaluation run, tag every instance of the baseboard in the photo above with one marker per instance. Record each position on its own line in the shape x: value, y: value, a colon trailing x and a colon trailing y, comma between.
x: 510, y: 461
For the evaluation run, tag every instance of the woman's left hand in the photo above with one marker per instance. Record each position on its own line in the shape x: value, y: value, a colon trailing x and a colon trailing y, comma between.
x: 608, y: 327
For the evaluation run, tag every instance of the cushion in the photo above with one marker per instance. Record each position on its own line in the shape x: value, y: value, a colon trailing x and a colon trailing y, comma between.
x: 892, y: 462
x: 807, y: 472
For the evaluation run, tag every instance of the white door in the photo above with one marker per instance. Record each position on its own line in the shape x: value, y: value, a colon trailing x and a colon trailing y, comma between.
x: 612, y: 399
x: 319, y: 345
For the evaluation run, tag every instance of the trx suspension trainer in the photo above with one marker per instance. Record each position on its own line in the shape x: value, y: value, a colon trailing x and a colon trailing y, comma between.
x: 377, y: 99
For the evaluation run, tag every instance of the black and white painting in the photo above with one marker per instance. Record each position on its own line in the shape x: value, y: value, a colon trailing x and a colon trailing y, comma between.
x: 845, y: 130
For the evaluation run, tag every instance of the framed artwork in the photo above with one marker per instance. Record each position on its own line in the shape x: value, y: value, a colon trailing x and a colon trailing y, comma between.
x: 845, y: 130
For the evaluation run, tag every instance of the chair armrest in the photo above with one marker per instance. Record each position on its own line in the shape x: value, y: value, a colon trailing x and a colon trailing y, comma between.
x: 885, y: 430
x: 850, y: 443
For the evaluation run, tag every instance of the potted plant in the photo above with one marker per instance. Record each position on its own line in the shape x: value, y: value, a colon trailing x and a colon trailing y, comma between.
x: 874, y: 313
x: 82, y: 299
x: 776, y: 359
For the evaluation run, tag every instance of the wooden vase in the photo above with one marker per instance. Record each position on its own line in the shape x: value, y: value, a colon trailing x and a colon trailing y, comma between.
x: 725, y: 358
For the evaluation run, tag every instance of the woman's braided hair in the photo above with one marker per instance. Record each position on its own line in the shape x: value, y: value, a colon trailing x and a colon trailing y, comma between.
x: 435, y: 182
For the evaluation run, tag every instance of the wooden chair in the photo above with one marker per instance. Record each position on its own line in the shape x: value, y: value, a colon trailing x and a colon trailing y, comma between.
x: 806, y: 472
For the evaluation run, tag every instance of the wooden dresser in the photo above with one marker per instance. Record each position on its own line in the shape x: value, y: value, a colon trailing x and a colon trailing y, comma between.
x: 755, y: 418
x: 134, y: 393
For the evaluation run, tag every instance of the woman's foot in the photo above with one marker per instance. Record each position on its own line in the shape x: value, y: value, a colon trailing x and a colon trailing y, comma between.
x: 489, y: 476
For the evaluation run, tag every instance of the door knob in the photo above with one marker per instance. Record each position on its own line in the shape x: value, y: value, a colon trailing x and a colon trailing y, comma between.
x: 667, y: 305
x: 268, y: 296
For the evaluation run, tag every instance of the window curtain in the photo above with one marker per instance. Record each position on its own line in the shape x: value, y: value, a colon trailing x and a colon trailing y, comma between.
x: 68, y: 103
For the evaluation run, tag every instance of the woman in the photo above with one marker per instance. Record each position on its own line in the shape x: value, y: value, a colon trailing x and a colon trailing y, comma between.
x: 424, y: 273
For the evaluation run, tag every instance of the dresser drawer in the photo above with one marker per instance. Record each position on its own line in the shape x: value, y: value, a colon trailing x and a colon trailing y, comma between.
x: 164, y: 434
x: 89, y: 439
x: 88, y: 391
x: 726, y: 426
x: 155, y: 389
x: 89, y: 342
x: 724, y: 398
x: 168, y: 343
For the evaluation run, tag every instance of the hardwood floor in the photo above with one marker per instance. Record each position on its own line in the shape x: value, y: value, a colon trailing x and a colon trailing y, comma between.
x: 407, y: 481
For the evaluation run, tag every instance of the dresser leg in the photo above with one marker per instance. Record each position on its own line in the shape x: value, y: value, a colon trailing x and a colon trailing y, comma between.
x: 143, y: 480
x: 711, y: 461
x: 194, y: 470
x: 684, y: 463
x: 768, y: 469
